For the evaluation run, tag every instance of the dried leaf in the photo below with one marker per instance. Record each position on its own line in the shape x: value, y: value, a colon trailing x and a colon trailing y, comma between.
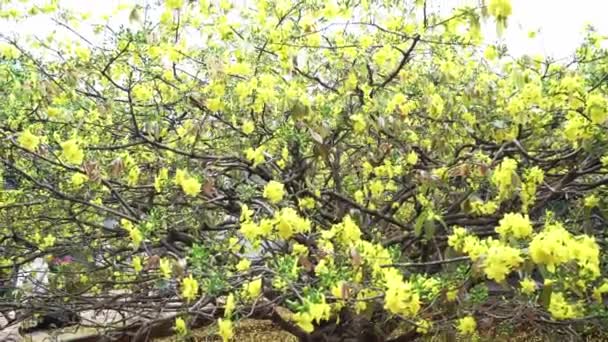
x: 355, y: 258
x: 209, y: 188
x: 305, y: 263
x: 116, y: 167
x: 152, y: 263
x: 91, y: 168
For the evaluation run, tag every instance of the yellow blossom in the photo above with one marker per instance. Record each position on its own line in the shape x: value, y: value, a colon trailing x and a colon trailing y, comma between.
x: 514, y: 224
x: 451, y: 295
x: 253, y: 288
x: 225, y: 329
x: 180, y: 327
x: 230, y: 305
x: 467, y: 325
x: 528, y: 286
x: 306, y: 203
x: 71, y: 152
x: 165, y: 268
x: 561, y: 309
x: 304, y: 321
x: 248, y: 127
x: 288, y: 222
x: 189, y: 288
x: 274, y: 191
x: 28, y: 141
x: 191, y: 186
x: 243, y: 265
x: 500, y: 260
x: 255, y: 156
x: 78, y: 178
x: 137, y: 264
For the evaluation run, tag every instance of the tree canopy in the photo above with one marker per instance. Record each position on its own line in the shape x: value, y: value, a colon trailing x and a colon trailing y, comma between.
x: 368, y: 166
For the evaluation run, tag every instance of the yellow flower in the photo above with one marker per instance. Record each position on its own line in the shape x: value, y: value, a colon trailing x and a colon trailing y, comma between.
x: 359, y: 123
x: 48, y: 241
x: 299, y: 249
x: 28, y: 141
x: 248, y: 127
x: 411, y: 158
x: 400, y: 297
x: 189, y: 288
x: 133, y: 176
x: 451, y: 295
x: 528, y: 286
x: 288, y: 223
x: 174, y: 4
x: 338, y: 290
x: 306, y: 203
x: 304, y: 321
x: 83, y: 53
x: 71, y: 152
x: 180, y: 176
x: 599, y: 291
x: 423, y: 326
x: 501, y: 9
x: 514, y: 224
x: 230, y: 305
x: 255, y: 156
x: 243, y: 265
x: 591, y: 201
x: 561, y: 309
x: 78, y: 178
x: 501, y: 260
x: 165, y: 268
x: 253, y: 288
x: 136, y: 236
x: 274, y: 191
x: 191, y: 186
x: 597, y: 108
x: 551, y: 247
x: 137, y: 265
x: 467, y: 325
x: 180, y: 327
x: 319, y: 311
x: 225, y: 329
x: 162, y: 176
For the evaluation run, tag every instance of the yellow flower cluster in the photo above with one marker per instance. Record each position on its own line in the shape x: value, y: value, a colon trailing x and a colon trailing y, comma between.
x: 597, y: 108
x: 28, y: 141
x: 289, y: 223
x: 274, y: 191
x: 190, y: 185
x: 467, y: 325
x: 400, y: 296
x: 256, y: 156
x: 180, y: 327
x: 503, y: 177
x: 71, y: 152
x: 189, y: 288
x: 346, y: 232
x: 532, y: 178
x: 134, y: 233
x: 253, y: 289
x: 514, y: 224
x: 555, y: 246
x: 315, y: 312
x: 500, y: 260
x: 225, y: 329
x: 561, y: 309
x: 286, y: 221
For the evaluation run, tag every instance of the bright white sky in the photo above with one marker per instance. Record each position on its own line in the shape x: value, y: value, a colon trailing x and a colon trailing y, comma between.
x: 559, y: 22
